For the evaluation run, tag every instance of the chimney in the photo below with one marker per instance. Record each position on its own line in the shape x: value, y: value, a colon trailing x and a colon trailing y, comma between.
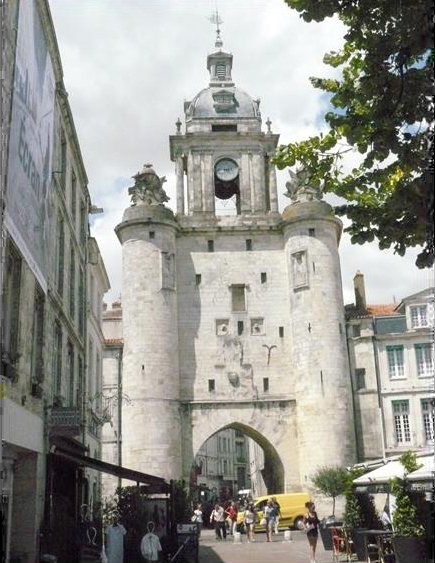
x: 360, y: 292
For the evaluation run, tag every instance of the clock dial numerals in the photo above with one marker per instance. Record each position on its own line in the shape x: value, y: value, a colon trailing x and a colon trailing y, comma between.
x: 226, y: 170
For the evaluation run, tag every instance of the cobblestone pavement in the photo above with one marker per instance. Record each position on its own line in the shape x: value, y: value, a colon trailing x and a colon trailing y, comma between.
x: 297, y: 551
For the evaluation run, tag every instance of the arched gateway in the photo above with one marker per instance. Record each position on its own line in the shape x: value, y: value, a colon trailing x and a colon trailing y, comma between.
x: 232, y: 320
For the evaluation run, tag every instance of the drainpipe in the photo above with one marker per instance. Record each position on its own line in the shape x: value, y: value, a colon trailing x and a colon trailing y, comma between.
x: 119, y: 433
x: 353, y: 393
x: 378, y: 387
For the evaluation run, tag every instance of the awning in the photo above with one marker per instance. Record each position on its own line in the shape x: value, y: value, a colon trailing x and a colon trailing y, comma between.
x: 154, y: 484
x: 382, y: 474
x: 426, y: 472
x: 380, y: 477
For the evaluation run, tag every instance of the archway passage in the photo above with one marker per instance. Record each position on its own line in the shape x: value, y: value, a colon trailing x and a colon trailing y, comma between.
x: 234, y: 462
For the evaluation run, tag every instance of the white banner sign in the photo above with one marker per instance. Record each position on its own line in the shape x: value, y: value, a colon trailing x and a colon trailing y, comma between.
x: 31, y: 143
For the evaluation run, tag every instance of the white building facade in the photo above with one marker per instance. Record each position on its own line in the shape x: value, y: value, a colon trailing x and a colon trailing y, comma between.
x: 391, y: 358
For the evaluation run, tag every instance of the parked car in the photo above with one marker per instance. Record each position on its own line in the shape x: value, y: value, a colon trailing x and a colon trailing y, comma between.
x: 292, y: 510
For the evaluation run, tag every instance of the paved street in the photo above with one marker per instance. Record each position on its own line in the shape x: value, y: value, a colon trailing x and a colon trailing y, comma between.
x: 212, y: 551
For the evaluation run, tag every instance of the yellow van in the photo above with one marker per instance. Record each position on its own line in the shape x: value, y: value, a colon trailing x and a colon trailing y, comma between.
x: 292, y: 507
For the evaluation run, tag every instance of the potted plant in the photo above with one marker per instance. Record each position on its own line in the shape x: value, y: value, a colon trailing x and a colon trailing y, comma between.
x: 409, y: 532
x: 331, y: 481
x: 353, y: 516
x: 360, y: 513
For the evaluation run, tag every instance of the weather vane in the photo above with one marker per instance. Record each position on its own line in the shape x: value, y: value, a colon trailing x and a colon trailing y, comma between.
x: 214, y: 18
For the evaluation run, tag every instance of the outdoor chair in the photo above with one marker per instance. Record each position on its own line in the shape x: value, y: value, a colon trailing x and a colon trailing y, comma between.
x: 340, y: 545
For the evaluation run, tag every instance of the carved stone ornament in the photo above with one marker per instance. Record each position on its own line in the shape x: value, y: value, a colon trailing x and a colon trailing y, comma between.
x: 147, y: 189
x: 299, y: 189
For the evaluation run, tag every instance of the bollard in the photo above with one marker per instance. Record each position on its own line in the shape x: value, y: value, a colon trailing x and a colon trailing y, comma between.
x: 287, y: 536
x: 237, y: 537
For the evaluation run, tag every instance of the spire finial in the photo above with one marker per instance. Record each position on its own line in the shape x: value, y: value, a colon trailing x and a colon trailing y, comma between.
x: 214, y: 18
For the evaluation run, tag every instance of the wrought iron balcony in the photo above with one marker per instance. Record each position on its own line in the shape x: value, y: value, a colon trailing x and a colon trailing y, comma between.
x: 65, y: 421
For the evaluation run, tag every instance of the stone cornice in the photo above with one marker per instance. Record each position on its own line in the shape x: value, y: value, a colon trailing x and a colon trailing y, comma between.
x: 286, y: 399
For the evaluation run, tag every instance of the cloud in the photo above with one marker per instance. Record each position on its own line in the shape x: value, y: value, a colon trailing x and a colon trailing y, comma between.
x: 130, y: 64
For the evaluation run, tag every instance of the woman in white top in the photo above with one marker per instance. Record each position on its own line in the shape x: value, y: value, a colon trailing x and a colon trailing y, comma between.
x: 197, y: 517
x: 249, y: 521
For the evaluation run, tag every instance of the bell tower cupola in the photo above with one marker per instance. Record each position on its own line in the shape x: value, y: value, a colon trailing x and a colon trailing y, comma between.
x: 220, y: 63
x: 223, y: 160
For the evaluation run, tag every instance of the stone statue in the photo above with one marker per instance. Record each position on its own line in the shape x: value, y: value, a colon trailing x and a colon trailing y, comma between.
x: 147, y: 189
x: 299, y: 188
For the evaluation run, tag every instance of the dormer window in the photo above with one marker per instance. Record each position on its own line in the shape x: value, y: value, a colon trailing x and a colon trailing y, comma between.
x: 419, y: 316
x: 224, y: 101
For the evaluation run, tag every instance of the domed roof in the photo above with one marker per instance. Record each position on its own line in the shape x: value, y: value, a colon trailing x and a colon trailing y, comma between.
x: 223, y: 101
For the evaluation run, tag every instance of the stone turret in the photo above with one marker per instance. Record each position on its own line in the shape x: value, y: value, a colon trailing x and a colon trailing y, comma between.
x: 322, y: 386
x: 151, y: 442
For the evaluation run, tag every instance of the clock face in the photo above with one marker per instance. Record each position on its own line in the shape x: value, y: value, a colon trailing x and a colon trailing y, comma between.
x: 226, y: 170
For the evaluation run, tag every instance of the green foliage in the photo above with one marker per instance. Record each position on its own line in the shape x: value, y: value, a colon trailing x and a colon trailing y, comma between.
x: 380, y: 109
x: 407, y: 519
x: 360, y: 511
x: 331, y: 481
x: 353, y: 517
x: 182, y: 501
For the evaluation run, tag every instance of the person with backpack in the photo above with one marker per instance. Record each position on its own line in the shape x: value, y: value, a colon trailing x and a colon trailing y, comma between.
x: 277, y: 514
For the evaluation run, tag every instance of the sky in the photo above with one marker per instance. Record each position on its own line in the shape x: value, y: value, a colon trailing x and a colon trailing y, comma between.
x: 129, y: 65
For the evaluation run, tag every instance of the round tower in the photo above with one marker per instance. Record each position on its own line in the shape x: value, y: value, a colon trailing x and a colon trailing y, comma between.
x: 322, y: 388
x: 151, y: 424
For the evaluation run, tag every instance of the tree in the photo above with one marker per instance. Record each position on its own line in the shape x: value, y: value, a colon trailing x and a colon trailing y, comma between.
x: 408, y: 520
x: 380, y: 108
x: 331, y: 481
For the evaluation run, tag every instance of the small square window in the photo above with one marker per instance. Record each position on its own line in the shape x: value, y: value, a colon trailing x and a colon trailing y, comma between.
x: 281, y: 332
x: 265, y: 384
x: 211, y: 385
x: 152, y: 234
x: 197, y: 279
x: 210, y: 245
x: 240, y: 327
x: 248, y: 244
x: 360, y: 375
x: 312, y: 232
x: 263, y: 277
x: 356, y: 331
x: 238, y: 298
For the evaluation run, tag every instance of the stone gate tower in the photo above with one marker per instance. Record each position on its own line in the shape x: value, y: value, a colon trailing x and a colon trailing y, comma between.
x: 232, y: 316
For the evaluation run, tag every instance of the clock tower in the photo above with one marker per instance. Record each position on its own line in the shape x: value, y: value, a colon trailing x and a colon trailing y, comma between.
x: 223, y: 164
x: 233, y: 314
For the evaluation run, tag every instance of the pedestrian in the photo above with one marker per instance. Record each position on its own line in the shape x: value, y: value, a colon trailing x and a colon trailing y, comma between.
x: 218, y: 517
x: 385, y: 518
x: 277, y: 508
x: 115, y: 533
x: 249, y: 521
x: 311, y: 522
x: 197, y: 517
x: 231, y: 512
x: 150, y: 545
x: 269, y: 515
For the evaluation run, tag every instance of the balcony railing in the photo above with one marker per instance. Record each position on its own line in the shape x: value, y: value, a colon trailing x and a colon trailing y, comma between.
x: 65, y: 421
